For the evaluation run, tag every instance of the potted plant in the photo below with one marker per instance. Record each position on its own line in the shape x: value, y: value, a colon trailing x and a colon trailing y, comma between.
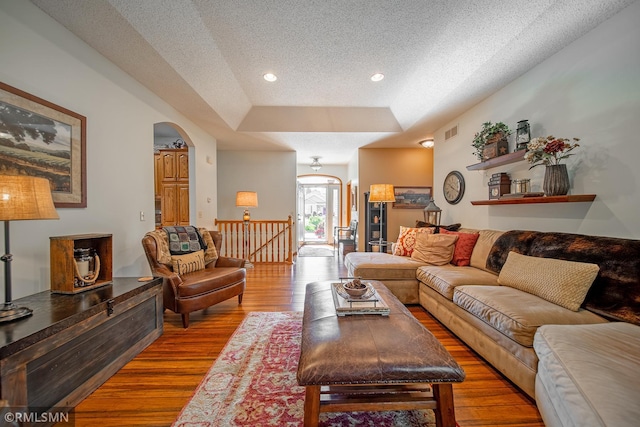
x: 489, y: 134
x: 551, y: 151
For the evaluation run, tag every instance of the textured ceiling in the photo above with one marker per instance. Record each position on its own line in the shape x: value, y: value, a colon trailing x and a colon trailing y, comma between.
x: 440, y: 57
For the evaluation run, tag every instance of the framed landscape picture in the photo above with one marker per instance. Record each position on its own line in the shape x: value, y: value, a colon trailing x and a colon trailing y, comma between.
x: 412, y: 197
x: 39, y: 138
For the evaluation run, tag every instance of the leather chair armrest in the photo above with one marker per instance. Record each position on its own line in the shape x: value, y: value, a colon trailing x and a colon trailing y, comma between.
x: 162, y: 270
x: 174, y: 281
x: 230, y: 262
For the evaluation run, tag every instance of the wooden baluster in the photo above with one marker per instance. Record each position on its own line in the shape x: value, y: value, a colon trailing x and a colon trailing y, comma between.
x: 269, y: 241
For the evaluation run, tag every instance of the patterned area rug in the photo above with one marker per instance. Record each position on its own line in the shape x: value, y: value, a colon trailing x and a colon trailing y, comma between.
x: 253, y: 383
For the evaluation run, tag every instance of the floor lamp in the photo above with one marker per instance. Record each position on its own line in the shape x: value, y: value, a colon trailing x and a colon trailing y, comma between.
x: 381, y: 193
x: 21, y: 198
x: 246, y: 200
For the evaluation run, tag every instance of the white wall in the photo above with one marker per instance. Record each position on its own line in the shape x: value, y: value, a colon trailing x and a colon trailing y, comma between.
x: 271, y: 174
x: 590, y: 90
x: 41, y: 57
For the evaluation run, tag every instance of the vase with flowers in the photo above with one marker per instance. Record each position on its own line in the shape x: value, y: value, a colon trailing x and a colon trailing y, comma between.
x: 551, y: 151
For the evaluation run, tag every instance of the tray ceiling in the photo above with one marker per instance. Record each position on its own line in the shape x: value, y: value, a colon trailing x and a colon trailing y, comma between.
x: 207, y: 58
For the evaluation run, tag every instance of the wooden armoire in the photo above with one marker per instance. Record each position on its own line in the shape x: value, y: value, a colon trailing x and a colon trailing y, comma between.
x: 172, y: 187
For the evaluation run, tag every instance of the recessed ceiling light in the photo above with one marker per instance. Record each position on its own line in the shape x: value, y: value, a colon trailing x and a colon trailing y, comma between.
x: 270, y: 77
x: 377, y: 77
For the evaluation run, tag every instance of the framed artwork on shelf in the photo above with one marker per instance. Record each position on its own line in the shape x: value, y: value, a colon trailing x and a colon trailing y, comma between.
x: 412, y: 197
x: 39, y: 138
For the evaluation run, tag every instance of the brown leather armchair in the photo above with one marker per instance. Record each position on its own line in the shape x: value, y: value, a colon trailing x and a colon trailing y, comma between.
x: 217, y: 282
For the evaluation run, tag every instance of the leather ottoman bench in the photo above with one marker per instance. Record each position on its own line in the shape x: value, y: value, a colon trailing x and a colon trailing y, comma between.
x: 369, y: 362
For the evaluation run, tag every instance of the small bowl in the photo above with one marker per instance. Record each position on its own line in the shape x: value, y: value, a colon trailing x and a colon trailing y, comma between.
x: 355, y: 289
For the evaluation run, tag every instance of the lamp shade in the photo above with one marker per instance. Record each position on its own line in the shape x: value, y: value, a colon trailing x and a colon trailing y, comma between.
x: 25, y: 197
x: 381, y: 193
x: 247, y: 199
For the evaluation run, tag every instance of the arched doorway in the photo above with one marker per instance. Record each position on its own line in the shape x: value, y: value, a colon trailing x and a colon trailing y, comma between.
x: 319, y: 206
x: 173, y: 175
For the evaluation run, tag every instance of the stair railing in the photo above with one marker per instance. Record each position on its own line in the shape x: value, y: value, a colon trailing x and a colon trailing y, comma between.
x: 270, y: 241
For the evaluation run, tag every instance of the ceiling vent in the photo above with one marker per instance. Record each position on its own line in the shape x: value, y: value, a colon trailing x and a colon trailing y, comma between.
x: 450, y: 133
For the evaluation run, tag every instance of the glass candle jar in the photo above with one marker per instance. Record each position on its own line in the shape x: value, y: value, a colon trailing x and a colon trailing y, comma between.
x: 521, y: 185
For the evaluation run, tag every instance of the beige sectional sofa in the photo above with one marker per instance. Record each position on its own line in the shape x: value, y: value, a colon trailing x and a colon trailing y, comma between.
x: 502, y: 323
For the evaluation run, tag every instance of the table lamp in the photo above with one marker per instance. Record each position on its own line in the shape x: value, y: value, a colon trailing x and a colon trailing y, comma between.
x: 246, y: 200
x: 381, y: 193
x: 21, y: 198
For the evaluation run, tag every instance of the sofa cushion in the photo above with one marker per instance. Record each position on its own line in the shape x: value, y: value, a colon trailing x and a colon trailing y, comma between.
x: 434, y: 249
x: 188, y: 263
x: 407, y: 240
x: 589, y: 373
x: 445, y: 278
x: 565, y: 283
x: 464, y: 247
x: 380, y: 266
x: 486, y: 238
x: 200, y: 282
x: 514, y: 313
x: 616, y: 291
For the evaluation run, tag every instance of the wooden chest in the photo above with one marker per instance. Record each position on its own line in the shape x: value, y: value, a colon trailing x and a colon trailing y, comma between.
x: 74, y: 343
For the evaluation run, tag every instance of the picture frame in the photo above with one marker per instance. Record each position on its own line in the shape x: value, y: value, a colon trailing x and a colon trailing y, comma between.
x: 411, y: 197
x: 40, y: 138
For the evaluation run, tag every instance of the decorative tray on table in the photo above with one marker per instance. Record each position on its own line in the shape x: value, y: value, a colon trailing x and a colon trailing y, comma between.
x: 370, y: 302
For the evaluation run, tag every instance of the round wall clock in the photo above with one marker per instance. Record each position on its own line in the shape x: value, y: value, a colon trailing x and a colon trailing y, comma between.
x: 453, y: 187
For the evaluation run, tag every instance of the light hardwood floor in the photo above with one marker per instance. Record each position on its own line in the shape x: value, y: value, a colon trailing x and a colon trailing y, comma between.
x: 152, y: 388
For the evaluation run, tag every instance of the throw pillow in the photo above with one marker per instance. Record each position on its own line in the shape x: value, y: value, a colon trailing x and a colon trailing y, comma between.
x: 210, y: 253
x: 464, y: 247
x: 434, y: 249
x: 564, y: 283
x: 407, y: 240
x: 183, y: 264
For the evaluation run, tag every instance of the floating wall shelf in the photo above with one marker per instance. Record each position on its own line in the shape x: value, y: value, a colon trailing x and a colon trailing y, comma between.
x: 505, y: 159
x: 542, y: 199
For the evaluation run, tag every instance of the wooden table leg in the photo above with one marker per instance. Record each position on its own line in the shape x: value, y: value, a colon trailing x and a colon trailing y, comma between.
x: 445, y: 411
x: 311, y: 405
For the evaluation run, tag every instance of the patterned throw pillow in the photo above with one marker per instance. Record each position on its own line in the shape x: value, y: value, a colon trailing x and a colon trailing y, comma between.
x: 407, y: 240
x: 210, y: 253
x: 564, y: 283
x: 464, y: 247
x: 183, y: 264
x: 434, y: 249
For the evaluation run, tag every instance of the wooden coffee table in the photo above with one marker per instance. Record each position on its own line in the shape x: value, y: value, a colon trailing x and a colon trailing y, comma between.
x: 372, y: 362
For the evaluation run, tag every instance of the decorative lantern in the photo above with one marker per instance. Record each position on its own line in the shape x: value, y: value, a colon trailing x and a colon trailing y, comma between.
x: 523, y: 135
x: 432, y: 213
